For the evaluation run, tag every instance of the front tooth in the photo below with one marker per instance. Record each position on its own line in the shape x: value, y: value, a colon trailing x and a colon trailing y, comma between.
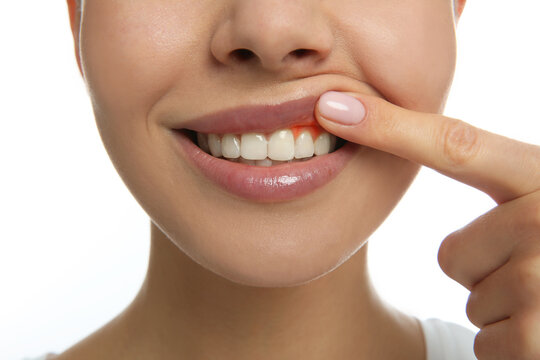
x: 215, y: 145
x: 303, y: 146
x: 230, y: 146
x: 322, y: 144
x: 202, y: 140
x: 253, y: 146
x: 281, y: 145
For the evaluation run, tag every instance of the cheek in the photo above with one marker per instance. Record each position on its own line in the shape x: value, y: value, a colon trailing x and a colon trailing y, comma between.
x: 132, y: 51
x: 406, y: 50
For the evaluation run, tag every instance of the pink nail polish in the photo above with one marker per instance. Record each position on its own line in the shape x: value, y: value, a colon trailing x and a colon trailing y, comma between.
x: 341, y: 108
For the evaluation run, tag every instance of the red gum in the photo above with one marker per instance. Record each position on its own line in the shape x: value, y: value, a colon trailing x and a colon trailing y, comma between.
x: 315, y: 130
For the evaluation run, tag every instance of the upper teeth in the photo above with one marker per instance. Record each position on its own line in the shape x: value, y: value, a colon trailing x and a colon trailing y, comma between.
x: 280, y: 145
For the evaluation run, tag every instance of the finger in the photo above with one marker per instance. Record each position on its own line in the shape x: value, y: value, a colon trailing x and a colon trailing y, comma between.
x: 512, y: 338
x: 482, y: 246
x: 492, y: 342
x: 501, y: 167
x: 500, y: 295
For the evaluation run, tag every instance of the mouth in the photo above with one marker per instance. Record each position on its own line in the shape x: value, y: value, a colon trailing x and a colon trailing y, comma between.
x: 265, y: 153
x: 297, y: 144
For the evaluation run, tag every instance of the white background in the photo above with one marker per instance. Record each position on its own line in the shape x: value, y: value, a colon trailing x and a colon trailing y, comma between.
x: 74, y: 243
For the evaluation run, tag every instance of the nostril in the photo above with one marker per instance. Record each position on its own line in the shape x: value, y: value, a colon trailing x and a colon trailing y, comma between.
x: 301, y: 53
x: 242, y: 54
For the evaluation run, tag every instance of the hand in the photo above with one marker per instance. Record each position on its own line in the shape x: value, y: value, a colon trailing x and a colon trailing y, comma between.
x: 497, y: 256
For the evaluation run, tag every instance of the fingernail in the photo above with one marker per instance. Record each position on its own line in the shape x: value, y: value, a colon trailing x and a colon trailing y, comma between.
x: 341, y: 108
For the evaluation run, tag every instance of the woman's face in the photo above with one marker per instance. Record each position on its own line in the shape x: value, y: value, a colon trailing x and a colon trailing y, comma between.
x: 156, y: 64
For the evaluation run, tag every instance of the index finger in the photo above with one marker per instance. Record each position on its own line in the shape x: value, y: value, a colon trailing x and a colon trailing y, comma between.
x: 501, y: 167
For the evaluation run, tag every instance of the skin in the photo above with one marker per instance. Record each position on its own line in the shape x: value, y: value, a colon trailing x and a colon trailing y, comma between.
x: 497, y: 256
x: 268, y: 281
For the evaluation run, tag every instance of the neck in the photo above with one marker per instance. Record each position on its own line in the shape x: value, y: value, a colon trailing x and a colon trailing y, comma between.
x: 186, y: 311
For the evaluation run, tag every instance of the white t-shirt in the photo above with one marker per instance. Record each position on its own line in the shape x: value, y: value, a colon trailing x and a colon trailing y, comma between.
x: 444, y: 341
x: 447, y: 340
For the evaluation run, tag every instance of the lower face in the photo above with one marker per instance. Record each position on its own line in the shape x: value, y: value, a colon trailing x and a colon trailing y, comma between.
x: 149, y: 64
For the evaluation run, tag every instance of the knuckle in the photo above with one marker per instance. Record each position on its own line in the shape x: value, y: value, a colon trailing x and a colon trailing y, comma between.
x: 459, y: 141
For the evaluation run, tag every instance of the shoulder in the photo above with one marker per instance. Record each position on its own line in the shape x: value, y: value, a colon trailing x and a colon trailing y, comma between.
x: 447, y: 341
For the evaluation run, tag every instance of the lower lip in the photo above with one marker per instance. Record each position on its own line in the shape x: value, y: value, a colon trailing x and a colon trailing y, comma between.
x: 268, y: 184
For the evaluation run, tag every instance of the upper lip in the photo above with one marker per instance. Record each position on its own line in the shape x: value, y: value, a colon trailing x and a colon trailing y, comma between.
x: 256, y: 118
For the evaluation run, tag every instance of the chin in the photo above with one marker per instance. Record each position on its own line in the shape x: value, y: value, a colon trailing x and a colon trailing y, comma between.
x: 272, y: 261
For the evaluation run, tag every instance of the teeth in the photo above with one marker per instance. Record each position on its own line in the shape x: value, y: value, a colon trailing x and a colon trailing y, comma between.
x: 303, y: 146
x: 281, y: 145
x: 202, y: 140
x: 322, y: 144
x: 255, y: 149
x: 215, y: 145
x: 253, y: 146
x: 230, y: 146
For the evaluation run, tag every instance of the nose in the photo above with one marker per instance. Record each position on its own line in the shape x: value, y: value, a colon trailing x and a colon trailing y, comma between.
x: 276, y: 34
